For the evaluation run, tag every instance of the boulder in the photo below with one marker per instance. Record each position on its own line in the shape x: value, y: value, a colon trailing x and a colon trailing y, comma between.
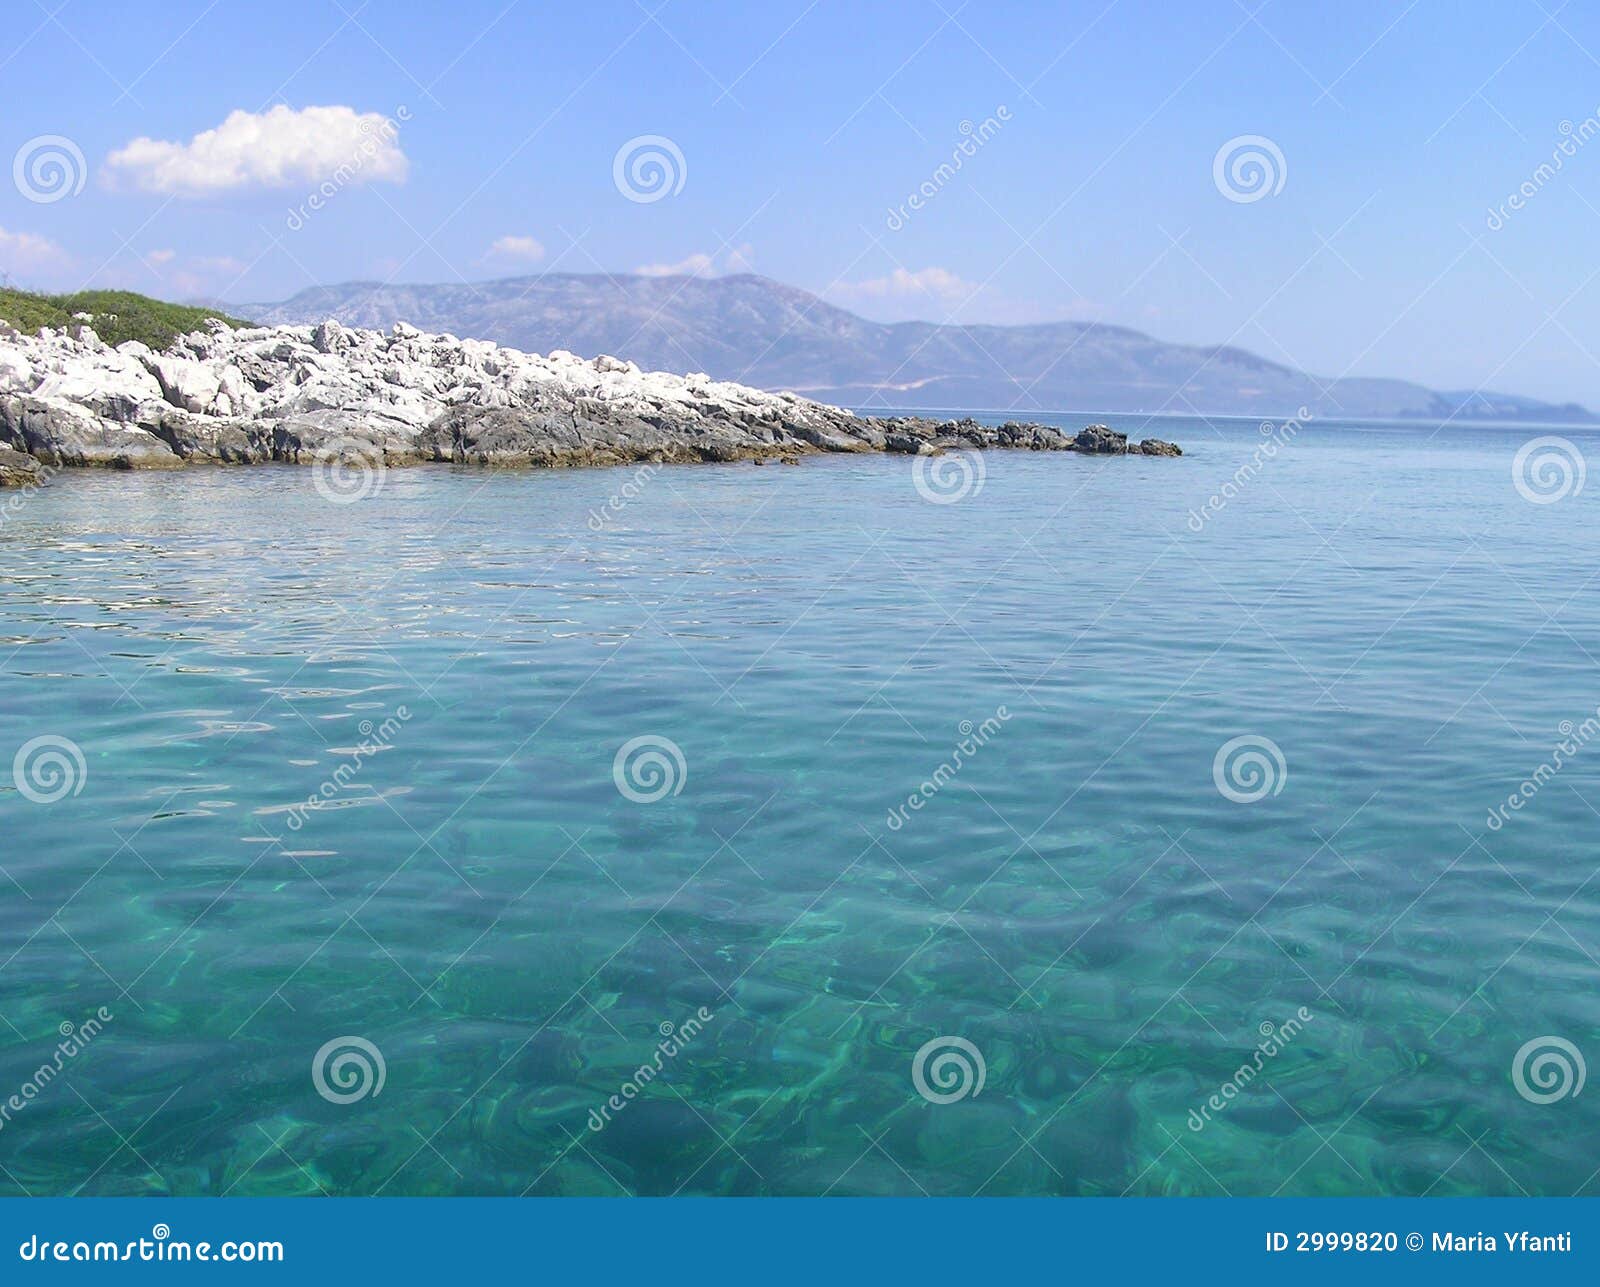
x: 17, y: 469
x: 193, y: 386
x: 1099, y: 440
x: 327, y: 337
x: 16, y: 372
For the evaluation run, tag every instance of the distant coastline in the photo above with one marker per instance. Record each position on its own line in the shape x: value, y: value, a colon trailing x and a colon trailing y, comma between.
x: 757, y: 331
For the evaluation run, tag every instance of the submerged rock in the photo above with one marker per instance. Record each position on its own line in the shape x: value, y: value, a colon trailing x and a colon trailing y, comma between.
x: 1160, y: 447
x: 17, y: 469
x: 300, y: 393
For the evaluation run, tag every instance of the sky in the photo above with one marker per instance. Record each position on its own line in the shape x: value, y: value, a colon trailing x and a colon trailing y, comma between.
x: 194, y: 149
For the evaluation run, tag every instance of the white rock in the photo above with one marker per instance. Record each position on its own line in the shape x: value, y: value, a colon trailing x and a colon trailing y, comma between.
x: 16, y: 372
x: 335, y: 377
x: 184, y: 383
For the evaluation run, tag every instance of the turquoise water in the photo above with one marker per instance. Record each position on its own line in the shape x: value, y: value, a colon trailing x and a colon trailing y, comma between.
x: 475, y: 896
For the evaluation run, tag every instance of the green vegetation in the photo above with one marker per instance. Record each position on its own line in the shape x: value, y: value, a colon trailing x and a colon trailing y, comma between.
x: 119, y: 315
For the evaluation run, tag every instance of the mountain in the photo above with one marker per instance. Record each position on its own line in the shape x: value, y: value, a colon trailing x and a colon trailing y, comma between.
x: 760, y: 332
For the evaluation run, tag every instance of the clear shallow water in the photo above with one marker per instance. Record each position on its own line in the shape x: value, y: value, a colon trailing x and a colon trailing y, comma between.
x: 1079, y: 900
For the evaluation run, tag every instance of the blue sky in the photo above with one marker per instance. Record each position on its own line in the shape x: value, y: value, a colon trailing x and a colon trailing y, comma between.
x: 801, y: 126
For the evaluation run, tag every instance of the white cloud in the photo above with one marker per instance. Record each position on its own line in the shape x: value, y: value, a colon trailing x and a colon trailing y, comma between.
x: 27, y: 251
x: 696, y: 265
x: 740, y: 259
x: 272, y: 149
x: 158, y: 257
x: 525, y: 250
x: 937, y: 283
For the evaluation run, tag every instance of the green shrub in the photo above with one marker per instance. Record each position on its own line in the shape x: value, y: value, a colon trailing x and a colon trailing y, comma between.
x: 119, y: 315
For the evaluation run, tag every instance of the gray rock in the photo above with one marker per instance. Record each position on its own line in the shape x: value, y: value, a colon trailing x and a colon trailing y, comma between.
x: 327, y: 337
x: 1159, y: 447
x: 208, y: 440
x: 1099, y: 440
x: 61, y: 434
x: 17, y: 469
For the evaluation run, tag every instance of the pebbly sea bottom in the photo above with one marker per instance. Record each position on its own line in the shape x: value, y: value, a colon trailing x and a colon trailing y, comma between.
x: 374, y: 847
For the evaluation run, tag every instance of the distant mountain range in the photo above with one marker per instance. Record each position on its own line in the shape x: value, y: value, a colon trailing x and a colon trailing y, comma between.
x: 760, y: 332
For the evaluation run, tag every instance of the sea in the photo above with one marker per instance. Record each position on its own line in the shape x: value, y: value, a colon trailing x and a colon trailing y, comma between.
x: 1014, y: 824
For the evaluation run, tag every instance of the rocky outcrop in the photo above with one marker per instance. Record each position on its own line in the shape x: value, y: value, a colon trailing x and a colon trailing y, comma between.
x: 59, y: 432
x: 1159, y: 447
x: 1099, y: 440
x: 300, y: 393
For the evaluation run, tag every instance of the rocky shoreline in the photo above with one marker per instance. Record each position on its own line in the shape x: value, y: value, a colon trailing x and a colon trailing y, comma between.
x: 299, y: 394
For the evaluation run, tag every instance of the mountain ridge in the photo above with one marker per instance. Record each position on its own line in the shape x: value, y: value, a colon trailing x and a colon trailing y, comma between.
x: 751, y: 329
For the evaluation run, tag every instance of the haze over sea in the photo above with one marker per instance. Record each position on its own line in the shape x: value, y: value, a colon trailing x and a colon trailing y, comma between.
x: 1116, y: 920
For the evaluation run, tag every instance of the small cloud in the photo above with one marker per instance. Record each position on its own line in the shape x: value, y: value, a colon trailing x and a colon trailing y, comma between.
x: 156, y: 258
x: 272, y: 149
x: 938, y: 283
x: 29, y: 252
x: 696, y: 265
x: 524, y: 250
x: 740, y: 259
x: 221, y: 264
